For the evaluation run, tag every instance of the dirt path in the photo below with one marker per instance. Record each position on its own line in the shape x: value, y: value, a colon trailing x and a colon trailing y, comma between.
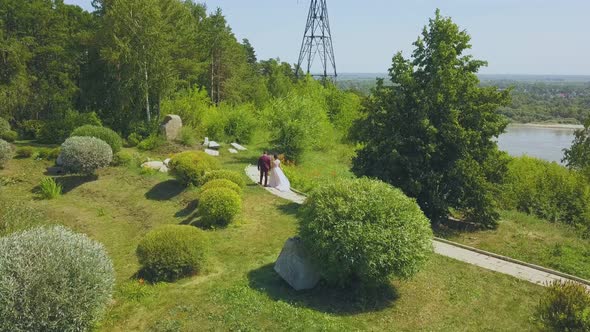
x: 479, y: 258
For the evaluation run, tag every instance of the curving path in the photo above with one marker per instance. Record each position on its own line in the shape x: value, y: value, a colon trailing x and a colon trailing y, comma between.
x: 486, y: 260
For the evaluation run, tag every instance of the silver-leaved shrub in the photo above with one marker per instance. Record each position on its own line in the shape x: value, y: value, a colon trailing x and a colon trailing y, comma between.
x: 52, y: 279
x: 85, y: 154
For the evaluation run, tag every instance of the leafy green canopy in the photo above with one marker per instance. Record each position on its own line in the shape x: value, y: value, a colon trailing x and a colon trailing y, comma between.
x: 578, y: 155
x: 431, y: 133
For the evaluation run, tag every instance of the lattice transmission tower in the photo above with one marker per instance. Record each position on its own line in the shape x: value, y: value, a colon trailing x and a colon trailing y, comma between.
x: 317, y: 42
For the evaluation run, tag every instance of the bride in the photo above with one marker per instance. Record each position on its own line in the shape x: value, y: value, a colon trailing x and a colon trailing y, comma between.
x: 278, y: 179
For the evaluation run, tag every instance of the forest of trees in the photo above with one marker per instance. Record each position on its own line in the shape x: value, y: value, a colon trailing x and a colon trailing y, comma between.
x: 131, y: 60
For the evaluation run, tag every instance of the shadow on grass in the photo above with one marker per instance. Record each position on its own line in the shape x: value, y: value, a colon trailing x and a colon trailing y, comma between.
x: 188, y: 210
x: 164, y: 191
x: 71, y: 182
x: 322, y: 298
x: 290, y: 208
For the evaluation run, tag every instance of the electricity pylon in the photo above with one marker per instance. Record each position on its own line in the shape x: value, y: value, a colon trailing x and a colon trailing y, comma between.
x: 317, y: 41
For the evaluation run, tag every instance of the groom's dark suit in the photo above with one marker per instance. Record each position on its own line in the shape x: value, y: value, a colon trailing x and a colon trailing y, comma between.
x: 264, y: 167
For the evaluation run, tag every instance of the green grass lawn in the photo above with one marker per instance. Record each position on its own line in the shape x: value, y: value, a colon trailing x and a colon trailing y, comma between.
x: 533, y: 240
x: 239, y: 290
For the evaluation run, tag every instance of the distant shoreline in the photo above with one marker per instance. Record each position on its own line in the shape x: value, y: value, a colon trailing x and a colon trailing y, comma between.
x: 547, y: 125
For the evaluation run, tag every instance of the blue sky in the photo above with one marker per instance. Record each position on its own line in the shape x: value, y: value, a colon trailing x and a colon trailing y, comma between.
x: 514, y: 36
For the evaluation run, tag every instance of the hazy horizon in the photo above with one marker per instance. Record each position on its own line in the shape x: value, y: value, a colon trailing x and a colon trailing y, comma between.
x: 529, y: 37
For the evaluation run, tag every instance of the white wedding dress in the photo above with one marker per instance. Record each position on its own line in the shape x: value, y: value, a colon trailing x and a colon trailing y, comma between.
x: 278, y: 179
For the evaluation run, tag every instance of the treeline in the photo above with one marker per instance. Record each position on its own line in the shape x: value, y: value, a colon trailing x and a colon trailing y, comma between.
x: 130, y: 61
x: 561, y: 102
x: 532, y: 102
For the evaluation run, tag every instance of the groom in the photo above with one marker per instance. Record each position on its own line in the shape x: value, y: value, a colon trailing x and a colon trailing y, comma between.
x: 264, y: 167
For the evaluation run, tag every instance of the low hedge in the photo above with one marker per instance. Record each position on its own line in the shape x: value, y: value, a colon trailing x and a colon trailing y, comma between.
x: 222, y: 183
x: 234, y: 177
x: 190, y: 167
x: 218, y: 207
x: 106, y: 134
x: 171, y: 252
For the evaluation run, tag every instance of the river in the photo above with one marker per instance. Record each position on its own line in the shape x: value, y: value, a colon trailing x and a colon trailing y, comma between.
x: 541, y: 142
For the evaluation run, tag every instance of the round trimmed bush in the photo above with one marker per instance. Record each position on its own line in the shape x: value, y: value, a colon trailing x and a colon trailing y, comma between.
x: 171, y: 252
x: 219, y: 206
x: 106, y: 134
x: 361, y: 230
x: 85, y: 154
x: 52, y: 279
x: 6, y: 152
x: 222, y: 183
x: 190, y: 167
x: 234, y: 177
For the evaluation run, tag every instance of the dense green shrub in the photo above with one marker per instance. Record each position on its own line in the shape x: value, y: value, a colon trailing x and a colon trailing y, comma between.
x: 364, y: 231
x: 152, y: 142
x: 219, y: 206
x: 187, y: 136
x: 85, y: 154
x: 6, y: 132
x: 49, y: 189
x: 6, y: 152
x: 9, y: 136
x: 134, y: 139
x: 48, y: 154
x: 214, y: 122
x: 190, y: 104
x: 29, y: 129
x: 299, y: 123
x: 57, y: 130
x: 222, y: 183
x: 106, y: 134
x: 53, y: 280
x: 234, y: 177
x: 171, y: 252
x: 4, y: 126
x: 190, y: 167
x: 24, y: 152
x: 241, y: 123
x: 124, y: 158
x: 565, y: 307
x: 547, y: 190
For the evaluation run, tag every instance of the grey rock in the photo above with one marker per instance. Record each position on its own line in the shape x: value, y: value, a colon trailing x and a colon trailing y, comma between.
x: 238, y: 147
x: 213, y: 153
x: 295, y: 267
x: 170, y: 127
x: 232, y: 151
x: 214, y: 145
x: 153, y: 164
x: 59, y: 161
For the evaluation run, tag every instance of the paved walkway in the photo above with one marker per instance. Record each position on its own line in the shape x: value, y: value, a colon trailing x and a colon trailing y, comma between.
x: 482, y: 260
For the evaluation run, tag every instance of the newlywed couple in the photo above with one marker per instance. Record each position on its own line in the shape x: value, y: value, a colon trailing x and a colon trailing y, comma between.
x: 278, y: 179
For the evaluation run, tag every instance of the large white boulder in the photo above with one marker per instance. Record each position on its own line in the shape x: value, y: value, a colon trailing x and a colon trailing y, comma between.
x: 295, y: 267
x: 171, y: 126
